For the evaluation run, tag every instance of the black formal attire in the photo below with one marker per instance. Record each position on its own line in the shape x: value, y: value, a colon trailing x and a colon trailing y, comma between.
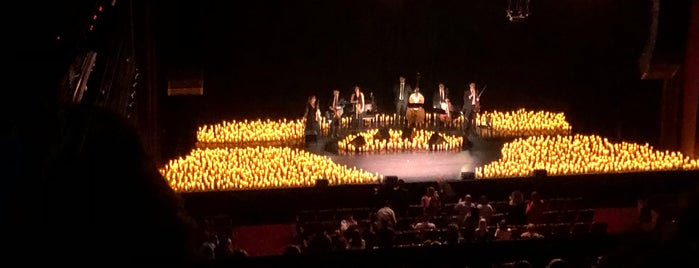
x: 312, y: 128
x: 438, y: 98
x: 468, y: 111
x: 401, y: 94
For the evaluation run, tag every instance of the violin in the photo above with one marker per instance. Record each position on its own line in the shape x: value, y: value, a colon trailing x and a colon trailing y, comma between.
x: 477, y: 107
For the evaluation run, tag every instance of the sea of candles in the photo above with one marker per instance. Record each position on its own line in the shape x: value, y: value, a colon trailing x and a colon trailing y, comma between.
x: 380, y: 120
x: 396, y: 143
x: 580, y: 154
x: 521, y: 123
x: 257, y: 168
x: 251, y: 133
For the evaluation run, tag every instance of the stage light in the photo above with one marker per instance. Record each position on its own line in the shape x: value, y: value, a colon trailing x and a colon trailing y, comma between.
x: 390, y: 180
x: 468, y: 176
x: 517, y: 10
x: 408, y: 133
x: 539, y: 173
x: 322, y: 183
x: 383, y: 134
x: 359, y: 141
x: 436, y: 140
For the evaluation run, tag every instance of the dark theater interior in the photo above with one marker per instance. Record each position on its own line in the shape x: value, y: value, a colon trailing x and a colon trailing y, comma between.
x: 388, y: 133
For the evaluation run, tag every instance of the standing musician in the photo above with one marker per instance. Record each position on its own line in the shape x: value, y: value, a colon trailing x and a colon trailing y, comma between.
x: 440, y: 97
x: 470, y: 101
x: 439, y: 103
x: 401, y: 92
x: 312, y: 116
x: 357, y: 100
x: 415, y: 113
x: 336, y: 109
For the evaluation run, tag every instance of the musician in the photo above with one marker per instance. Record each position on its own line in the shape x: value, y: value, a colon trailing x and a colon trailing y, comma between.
x: 440, y: 97
x: 401, y: 92
x: 415, y: 113
x: 337, y: 110
x: 439, y: 103
x: 312, y: 116
x: 470, y: 99
x: 357, y: 100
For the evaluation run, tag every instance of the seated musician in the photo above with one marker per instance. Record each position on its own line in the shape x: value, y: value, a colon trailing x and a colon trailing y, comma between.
x: 447, y: 108
x: 415, y: 113
x: 439, y: 104
x: 336, y: 109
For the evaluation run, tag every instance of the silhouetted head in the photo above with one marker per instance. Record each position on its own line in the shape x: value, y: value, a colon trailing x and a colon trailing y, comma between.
x: 91, y: 182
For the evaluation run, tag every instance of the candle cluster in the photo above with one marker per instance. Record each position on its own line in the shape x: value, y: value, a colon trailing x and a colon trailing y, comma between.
x: 395, y: 142
x: 257, y: 168
x: 379, y: 120
x: 252, y: 133
x: 521, y: 123
x: 580, y: 154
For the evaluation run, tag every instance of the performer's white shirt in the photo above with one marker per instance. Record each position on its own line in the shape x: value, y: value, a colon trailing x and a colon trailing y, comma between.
x: 473, y: 97
x: 416, y: 98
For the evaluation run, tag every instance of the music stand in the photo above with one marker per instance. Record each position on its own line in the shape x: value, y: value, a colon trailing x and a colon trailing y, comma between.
x: 439, y: 111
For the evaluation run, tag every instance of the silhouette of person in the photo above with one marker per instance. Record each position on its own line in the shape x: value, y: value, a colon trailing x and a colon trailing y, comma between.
x: 87, y: 187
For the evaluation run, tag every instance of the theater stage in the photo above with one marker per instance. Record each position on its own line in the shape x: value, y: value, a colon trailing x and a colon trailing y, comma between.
x: 417, y: 166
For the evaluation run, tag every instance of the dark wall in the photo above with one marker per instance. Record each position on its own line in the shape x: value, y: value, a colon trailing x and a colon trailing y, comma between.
x: 262, y: 59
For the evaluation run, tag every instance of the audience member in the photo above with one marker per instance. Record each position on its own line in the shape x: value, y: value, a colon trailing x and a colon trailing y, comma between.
x: 207, y: 251
x: 356, y: 242
x: 385, y: 238
x: 485, y: 210
x: 292, y: 250
x: 531, y: 233
x: 225, y: 249
x: 502, y: 233
x: 647, y: 216
x: 320, y: 243
x: 453, y: 235
x: 481, y: 233
x: 400, y: 198
x: 557, y: 263
x: 424, y: 224
x: 386, y: 217
x: 87, y: 179
x: 348, y: 223
x: 339, y: 240
x: 463, y: 209
x: 523, y: 264
x: 535, y: 208
x: 516, y: 213
x: 430, y: 202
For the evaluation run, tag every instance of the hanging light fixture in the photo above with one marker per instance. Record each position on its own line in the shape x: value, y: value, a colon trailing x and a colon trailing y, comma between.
x: 517, y: 10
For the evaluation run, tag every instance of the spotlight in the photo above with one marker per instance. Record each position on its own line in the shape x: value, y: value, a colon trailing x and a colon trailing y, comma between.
x: 435, y: 140
x: 390, y: 180
x: 359, y: 141
x: 517, y: 10
x: 539, y: 173
x: 408, y: 133
x: 383, y: 134
x: 468, y: 176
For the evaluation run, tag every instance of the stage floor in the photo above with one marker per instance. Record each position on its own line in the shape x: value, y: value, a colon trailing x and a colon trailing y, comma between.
x: 418, y: 166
